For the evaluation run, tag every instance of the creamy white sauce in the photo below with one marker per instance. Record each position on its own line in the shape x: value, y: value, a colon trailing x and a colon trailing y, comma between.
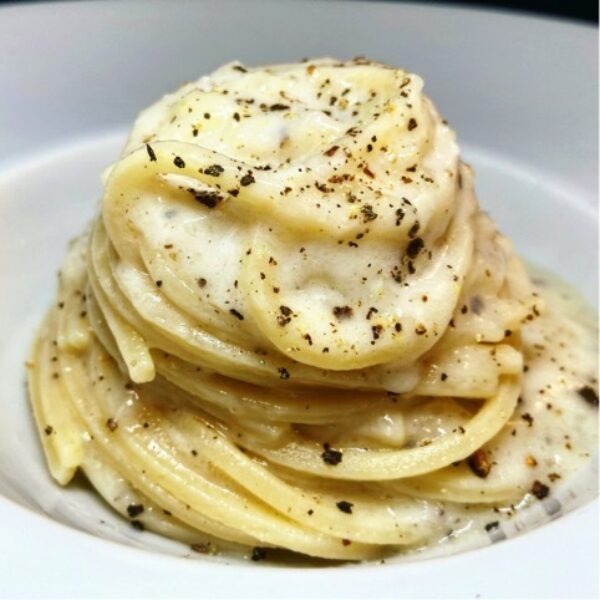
x: 559, y: 447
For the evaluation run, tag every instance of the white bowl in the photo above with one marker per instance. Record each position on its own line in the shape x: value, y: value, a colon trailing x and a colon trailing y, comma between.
x: 522, y: 94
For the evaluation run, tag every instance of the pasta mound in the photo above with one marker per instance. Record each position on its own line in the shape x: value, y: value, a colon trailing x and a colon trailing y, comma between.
x: 290, y: 324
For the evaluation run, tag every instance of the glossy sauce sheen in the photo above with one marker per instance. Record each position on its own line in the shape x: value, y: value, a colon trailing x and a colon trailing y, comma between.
x: 552, y: 436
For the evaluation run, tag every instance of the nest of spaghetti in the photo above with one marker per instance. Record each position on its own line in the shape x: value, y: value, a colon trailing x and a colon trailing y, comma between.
x: 290, y: 324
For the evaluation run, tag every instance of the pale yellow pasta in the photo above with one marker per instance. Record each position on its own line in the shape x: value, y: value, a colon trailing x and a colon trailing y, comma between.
x: 291, y: 326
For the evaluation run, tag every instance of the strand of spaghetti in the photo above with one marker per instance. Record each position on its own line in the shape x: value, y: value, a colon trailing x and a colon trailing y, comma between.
x: 460, y: 484
x: 139, y: 171
x: 245, y: 400
x: 372, y: 465
x: 216, y: 498
x: 59, y: 431
x: 80, y: 396
x: 121, y: 495
x: 173, y: 332
x: 397, y: 521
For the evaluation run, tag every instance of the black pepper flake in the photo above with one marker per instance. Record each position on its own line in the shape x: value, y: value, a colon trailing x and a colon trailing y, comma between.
x: 236, y: 116
x: 480, y: 464
x: 368, y: 172
x: 346, y: 542
x: 201, y: 548
x: 412, y: 124
x: 492, y: 525
x: 345, y: 506
x: 396, y: 274
x: 342, y: 312
x: 331, y: 151
x: 236, y: 314
x: 239, y: 68
x: 279, y: 106
x: 444, y: 376
x: 258, y: 554
x: 540, y: 490
x: 207, y: 198
x: 376, y: 331
x: 528, y: 419
x: 412, y: 232
x: 372, y: 310
x: 150, y: 152
x: 201, y: 282
x: 330, y: 456
x: 368, y: 213
x: 134, y: 510
x: 158, y: 283
x: 283, y: 373
x: 400, y: 214
x: 48, y: 429
x: 137, y: 525
x: 112, y: 424
x: 214, y: 170
x: 322, y: 187
x: 286, y: 315
x: 247, y: 179
x: 414, y: 247
x: 589, y: 395
x: 179, y: 162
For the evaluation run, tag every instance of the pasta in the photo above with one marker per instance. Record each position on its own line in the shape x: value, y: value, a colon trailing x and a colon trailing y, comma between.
x: 291, y: 326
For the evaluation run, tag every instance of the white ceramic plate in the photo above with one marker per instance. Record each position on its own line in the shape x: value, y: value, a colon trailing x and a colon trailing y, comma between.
x: 521, y: 92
